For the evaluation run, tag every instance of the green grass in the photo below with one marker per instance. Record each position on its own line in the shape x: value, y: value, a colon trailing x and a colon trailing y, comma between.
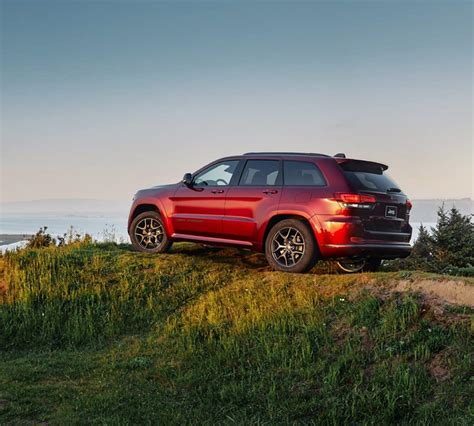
x: 100, y: 334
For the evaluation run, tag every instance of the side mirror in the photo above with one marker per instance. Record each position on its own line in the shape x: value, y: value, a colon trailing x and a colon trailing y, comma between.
x: 188, y: 179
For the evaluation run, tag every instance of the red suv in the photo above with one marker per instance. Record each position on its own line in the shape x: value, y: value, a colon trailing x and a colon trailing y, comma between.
x: 295, y: 207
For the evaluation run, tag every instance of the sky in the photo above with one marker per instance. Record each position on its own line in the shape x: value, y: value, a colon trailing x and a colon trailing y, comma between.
x: 102, y: 98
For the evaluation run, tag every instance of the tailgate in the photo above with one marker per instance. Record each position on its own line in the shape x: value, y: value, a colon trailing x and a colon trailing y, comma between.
x: 388, y: 218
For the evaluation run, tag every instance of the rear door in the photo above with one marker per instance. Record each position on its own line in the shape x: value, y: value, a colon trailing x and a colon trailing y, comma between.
x: 388, y: 219
x: 250, y: 202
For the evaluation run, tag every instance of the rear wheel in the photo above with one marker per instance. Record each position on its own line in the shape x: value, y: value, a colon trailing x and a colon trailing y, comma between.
x: 291, y: 247
x: 372, y: 265
x: 352, y: 266
x: 148, y: 235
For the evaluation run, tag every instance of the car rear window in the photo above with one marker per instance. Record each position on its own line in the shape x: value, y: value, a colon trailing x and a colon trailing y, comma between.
x: 302, y: 173
x: 368, y: 178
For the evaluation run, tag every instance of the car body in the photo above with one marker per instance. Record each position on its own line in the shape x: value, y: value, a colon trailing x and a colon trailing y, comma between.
x: 353, y: 209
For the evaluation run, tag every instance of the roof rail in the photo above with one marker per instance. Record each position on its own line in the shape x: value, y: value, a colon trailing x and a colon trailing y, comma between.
x: 312, y: 154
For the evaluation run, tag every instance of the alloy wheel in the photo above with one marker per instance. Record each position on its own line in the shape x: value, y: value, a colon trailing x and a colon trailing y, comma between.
x: 288, y: 247
x: 352, y: 265
x: 149, y: 233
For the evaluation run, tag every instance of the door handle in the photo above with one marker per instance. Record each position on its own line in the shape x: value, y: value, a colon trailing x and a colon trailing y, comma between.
x: 270, y: 191
x: 217, y: 191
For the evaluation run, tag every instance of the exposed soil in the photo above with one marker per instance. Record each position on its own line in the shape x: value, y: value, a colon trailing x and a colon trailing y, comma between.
x: 452, y: 291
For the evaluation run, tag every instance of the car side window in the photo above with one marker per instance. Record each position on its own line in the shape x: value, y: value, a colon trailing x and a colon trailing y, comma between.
x: 218, y: 174
x: 261, y: 173
x: 302, y: 173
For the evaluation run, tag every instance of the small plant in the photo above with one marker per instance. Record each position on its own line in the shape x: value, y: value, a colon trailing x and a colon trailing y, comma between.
x: 72, y: 237
x: 109, y: 234
x: 41, y: 239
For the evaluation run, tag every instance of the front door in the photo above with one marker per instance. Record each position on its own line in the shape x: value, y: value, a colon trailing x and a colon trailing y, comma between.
x: 251, y: 201
x: 198, y: 209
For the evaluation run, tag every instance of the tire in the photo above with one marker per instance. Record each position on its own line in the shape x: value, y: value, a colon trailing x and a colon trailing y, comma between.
x: 154, y: 238
x: 284, y: 256
x: 359, y: 265
x: 372, y: 264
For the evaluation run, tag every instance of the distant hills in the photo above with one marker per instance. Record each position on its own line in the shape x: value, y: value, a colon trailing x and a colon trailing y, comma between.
x: 67, y: 206
x: 423, y: 210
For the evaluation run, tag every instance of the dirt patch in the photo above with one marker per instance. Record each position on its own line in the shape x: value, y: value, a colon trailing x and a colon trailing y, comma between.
x: 452, y: 291
x: 438, y: 367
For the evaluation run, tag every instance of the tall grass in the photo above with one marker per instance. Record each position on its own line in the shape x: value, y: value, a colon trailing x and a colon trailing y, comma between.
x: 85, y: 293
x: 216, y: 338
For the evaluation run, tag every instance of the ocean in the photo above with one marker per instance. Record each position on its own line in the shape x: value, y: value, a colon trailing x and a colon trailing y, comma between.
x: 98, y: 226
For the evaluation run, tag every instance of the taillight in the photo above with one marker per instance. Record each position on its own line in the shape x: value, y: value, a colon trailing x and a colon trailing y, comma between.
x: 360, y: 201
x: 409, y: 205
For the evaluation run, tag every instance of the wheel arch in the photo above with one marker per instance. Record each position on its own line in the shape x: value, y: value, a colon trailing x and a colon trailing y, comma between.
x: 142, y: 208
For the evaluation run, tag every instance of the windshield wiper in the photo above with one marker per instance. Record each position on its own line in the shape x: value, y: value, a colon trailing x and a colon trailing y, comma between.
x: 394, y: 190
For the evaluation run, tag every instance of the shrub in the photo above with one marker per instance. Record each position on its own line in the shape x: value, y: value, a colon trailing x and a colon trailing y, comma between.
x: 449, y: 248
x: 72, y: 237
x: 44, y: 239
x: 41, y: 239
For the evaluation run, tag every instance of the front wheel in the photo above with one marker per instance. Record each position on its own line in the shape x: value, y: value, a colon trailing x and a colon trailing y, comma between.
x: 148, y: 235
x: 291, y: 247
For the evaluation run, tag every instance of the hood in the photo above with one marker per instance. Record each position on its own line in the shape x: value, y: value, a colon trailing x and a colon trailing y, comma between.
x: 150, y: 192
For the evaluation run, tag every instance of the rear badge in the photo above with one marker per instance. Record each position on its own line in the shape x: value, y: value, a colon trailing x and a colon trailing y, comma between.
x: 390, y: 211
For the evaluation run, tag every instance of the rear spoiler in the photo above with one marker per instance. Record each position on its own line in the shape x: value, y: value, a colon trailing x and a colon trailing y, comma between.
x: 352, y: 165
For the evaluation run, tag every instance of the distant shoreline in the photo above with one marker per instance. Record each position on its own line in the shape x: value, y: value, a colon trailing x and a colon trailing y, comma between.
x: 6, y: 239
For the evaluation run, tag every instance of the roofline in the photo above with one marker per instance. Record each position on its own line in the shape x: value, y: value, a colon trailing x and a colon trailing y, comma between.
x: 339, y: 157
x: 309, y: 154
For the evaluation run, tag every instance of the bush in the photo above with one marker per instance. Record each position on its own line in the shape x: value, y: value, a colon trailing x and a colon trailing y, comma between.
x: 44, y: 239
x: 72, y: 237
x: 468, y: 271
x: 449, y: 248
x: 41, y: 239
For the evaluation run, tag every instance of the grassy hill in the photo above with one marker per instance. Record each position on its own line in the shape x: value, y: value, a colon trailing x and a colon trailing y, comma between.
x: 96, y: 333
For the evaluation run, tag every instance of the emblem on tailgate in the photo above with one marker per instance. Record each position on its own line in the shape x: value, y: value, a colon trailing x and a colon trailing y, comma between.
x: 390, y: 211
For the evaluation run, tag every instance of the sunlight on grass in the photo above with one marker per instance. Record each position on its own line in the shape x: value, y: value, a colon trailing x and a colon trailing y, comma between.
x: 97, y: 332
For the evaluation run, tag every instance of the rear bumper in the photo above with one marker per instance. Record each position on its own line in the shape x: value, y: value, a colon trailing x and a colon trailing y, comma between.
x: 347, y: 236
x: 376, y: 250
